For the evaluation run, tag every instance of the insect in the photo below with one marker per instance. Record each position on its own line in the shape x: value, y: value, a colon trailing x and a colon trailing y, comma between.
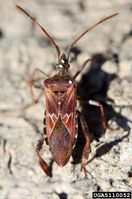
x: 61, y: 116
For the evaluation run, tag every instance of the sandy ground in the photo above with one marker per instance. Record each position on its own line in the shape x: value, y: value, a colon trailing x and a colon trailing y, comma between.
x: 108, y: 78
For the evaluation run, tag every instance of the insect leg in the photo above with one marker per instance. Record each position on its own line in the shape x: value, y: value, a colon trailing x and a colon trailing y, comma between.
x: 83, y: 66
x: 88, y: 136
x: 98, y: 104
x: 31, y: 82
x: 42, y: 162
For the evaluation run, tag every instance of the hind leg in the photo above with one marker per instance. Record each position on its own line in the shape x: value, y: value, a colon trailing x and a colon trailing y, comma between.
x: 88, y: 137
x: 42, y: 162
x: 39, y: 146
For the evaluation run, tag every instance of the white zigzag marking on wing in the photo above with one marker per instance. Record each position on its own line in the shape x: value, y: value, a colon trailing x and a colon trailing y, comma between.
x: 51, y: 117
x: 67, y: 116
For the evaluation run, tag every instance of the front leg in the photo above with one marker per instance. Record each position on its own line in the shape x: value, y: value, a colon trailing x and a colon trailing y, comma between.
x: 88, y: 136
x: 31, y: 82
x: 83, y: 66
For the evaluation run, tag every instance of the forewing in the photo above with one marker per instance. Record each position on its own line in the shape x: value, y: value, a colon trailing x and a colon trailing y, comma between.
x: 51, y: 111
x: 68, y: 110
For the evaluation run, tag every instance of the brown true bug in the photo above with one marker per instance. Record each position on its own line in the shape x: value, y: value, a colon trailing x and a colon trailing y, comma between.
x: 61, y: 116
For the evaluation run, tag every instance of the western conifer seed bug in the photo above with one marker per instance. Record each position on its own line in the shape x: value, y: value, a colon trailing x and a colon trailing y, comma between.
x: 61, y: 116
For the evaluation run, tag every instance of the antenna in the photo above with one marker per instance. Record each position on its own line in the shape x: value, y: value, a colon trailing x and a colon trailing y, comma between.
x: 87, y: 30
x: 39, y: 25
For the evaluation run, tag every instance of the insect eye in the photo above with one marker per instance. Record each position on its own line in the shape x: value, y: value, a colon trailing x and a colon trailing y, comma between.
x: 62, y: 61
x: 60, y: 66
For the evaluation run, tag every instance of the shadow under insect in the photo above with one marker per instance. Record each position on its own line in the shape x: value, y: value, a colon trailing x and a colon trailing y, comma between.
x: 94, y: 85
